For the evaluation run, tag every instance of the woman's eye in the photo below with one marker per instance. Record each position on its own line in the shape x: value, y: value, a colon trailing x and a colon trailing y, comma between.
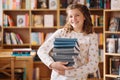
x: 77, y: 15
x: 70, y: 16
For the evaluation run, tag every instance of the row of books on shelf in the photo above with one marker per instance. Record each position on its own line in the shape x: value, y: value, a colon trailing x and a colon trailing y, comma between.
x: 12, y: 4
x: 46, y: 20
x: 113, y: 45
x: 37, y: 38
x: 50, y: 4
x: 114, y: 24
x: 22, y: 20
x: 105, y: 4
x: 22, y: 51
x: 29, y: 4
x: 97, y: 20
x: 12, y: 38
x: 114, y: 65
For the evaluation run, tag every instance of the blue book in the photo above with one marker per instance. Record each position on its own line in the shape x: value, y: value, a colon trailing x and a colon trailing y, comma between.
x: 22, y: 53
x: 65, y: 39
x: 64, y: 50
x: 66, y: 53
x: 64, y: 58
x: 63, y: 43
x: 64, y: 46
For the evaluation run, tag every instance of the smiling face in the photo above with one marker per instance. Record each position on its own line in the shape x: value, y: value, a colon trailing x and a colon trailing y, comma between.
x: 76, y: 19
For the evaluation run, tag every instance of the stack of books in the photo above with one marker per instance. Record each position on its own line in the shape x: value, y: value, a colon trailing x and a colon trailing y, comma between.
x: 65, y: 49
x: 21, y: 51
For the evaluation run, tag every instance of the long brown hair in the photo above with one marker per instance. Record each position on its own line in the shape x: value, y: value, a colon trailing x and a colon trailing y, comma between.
x: 87, y: 25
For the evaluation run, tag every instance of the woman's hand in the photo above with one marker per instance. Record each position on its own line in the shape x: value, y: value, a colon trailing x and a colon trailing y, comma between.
x: 60, y: 67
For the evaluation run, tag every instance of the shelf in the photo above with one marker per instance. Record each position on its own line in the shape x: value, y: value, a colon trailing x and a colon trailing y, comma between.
x: 112, y: 76
x: 111, y: 59
x: 98, y: 29
x: 112, y: 54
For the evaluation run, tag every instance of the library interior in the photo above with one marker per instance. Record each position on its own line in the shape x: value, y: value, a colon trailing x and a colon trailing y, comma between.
x: 26, y: 24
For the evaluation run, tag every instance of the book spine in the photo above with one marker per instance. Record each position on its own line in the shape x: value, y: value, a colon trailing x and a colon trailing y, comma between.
x: 66, y: 53
x: 64, y: 46
x: 63, y: 50
x: 65, y: 39
x: 64, y: 43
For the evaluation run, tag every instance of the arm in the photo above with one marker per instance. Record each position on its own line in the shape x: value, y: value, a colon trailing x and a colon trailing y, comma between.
x: 45, y: 49
x: 92, y: 65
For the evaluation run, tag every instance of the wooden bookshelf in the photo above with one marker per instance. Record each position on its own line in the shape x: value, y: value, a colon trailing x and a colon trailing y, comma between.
x: 108, y: 73
x: 26, y: 30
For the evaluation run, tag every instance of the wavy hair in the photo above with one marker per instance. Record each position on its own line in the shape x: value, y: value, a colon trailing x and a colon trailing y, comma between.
x: 87, y: 25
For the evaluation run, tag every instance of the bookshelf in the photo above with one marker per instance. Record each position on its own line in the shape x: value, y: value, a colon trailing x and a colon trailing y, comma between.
x: 29, y: 9
x: 111, y: 56
x: 0, y: 37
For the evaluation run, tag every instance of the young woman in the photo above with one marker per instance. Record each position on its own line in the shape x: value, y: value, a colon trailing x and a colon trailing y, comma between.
x: 78, y: 26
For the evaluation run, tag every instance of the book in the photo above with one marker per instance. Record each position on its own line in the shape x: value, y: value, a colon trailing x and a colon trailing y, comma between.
x: 63, y: 3
x: 115, y: 65
x: 65, y: 58
x: 35, y: 38
x: 38, y: 21
x: 21, y: 51
x: 65, y: 39
x: 10, y: 21
x: 63, y: 43
x: 62, y: 20
x: 65, y: 50
x: 115, y: 4
x: 33, y: 4
x: 52, y: 4
x: 48, y: 20
x: 5, y: 20
x: 66, y: 53
x: 41, y: 4
x: 13, y: 38
x: 7, y: 38
x: 64, y: 46
x: 21, y: 20
x: 27, y: 4
x: 20, y: 41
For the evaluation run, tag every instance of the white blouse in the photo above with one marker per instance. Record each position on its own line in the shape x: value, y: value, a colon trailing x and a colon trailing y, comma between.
x: 88, y: 55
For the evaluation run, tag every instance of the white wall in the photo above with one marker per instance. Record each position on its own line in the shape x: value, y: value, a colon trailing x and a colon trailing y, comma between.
x: 0, y: 12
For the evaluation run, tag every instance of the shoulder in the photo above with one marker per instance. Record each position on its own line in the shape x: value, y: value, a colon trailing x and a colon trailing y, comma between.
x: 62, y: 30
x: 93, y: 36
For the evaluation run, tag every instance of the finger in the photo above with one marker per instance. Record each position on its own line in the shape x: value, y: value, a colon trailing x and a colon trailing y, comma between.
x: 70, y: 67
x: 64, y: 63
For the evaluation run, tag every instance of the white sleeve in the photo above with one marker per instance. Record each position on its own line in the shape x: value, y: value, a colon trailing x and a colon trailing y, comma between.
x: 45, y: 49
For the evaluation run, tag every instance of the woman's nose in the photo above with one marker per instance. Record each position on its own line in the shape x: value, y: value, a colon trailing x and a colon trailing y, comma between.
x: 74, y: 18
